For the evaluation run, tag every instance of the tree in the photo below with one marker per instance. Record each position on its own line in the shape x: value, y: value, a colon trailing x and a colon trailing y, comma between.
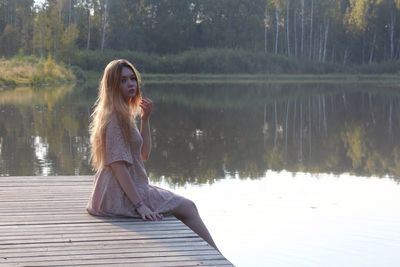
x: 15, y: 26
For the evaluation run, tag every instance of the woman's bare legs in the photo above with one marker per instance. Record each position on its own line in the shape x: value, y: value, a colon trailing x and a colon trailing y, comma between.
x: 188, y: 214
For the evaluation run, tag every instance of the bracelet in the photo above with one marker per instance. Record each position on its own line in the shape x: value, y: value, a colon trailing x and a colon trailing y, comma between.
x: 138, y: 204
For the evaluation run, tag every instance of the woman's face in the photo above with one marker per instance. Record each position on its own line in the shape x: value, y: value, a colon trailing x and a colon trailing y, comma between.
x: 129, y: 85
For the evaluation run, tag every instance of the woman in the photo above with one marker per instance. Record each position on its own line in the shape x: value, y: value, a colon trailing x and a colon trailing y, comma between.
x: 118, y: 148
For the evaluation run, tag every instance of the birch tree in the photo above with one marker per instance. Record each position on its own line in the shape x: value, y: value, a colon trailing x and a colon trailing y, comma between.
x: 288, y: 26
x: 104, y: 23
x: 278, y: 6
x: 311, y: 27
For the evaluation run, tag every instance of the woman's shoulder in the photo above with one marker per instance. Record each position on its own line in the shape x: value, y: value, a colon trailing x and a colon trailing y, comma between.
x: 111, y: 122
x: 112, y: 118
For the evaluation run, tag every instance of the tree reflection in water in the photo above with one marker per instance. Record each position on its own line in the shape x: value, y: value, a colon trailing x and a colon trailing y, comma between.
x: 203, y: 132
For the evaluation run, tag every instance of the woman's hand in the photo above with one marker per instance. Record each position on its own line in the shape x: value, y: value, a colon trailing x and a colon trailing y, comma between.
x: 147, y: 107
x: 148, y: 214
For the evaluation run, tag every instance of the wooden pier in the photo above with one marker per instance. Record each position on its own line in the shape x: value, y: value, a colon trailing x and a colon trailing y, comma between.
x: 43, y: 222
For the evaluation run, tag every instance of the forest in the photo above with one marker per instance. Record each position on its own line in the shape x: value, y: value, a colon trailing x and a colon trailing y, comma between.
x: 342, y: 32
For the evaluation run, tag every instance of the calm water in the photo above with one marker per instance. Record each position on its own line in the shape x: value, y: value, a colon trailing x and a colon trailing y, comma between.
x: 283, y: 174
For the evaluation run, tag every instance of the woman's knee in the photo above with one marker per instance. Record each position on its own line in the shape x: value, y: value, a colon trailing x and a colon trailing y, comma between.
x: 186, y: 209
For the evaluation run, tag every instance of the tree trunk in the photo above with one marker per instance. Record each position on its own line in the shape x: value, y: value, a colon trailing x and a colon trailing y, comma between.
x: 325, y: 40
x: 266, y: 28
x: 69, y: 12
x: 372, y: 49
x: 311, y: 27
x: 320, y: 44
x: 287, y: 26
x: 391, y: 33
x: 295, y: 33
x: 396, y: 55
x: 345, y: 56
x: 302, y: 29
x: 104, y: 26
x: 276, y: 30
x: 88, y: 36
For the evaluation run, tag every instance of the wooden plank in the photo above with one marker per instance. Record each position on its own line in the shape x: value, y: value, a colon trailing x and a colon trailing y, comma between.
x: 95, y: 226
x: 116, y: 255
x: 44, y: 222
x: 219, y: 263
x: 119, y: 248
x: 76, y: 237
x: 91, y: 244
x: 92, y: 230
x: 92, y: 259
x: 133, y: 263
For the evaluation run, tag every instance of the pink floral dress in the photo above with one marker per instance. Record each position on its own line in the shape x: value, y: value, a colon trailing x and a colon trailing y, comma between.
x: 108, y: 198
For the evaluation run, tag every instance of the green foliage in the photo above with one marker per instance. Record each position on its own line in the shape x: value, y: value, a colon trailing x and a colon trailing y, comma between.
x: 32, y: 71
x: 356, y: 17
x: 68, y: 40
x: 223, y: 61
x: 378, y: 68
x: 7, y: 83
x: 16, y: 22
x: 48, y: 71
x: 175, y: 35
x: 212, y: 60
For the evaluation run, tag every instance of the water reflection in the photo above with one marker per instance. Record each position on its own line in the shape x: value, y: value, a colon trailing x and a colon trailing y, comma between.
x: 207, y: 132
x: 43, y: 131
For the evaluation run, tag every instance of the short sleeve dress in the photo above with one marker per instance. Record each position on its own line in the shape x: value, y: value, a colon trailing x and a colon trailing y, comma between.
x: 108, y: 197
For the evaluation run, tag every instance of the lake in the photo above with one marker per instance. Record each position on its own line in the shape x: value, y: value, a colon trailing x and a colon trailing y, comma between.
x: 284, y: 174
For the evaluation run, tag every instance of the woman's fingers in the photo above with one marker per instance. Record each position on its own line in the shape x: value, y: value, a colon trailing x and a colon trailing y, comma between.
x: 147, y: 214
x: 152, y: 217
x: 146, y: 103
x: 157, y: 216
x: 147, y: 106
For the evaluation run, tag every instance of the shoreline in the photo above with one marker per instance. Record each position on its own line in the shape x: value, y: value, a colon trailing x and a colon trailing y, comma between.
x: 40, y: 72
x: 151, y: 78
x: 269, y: 78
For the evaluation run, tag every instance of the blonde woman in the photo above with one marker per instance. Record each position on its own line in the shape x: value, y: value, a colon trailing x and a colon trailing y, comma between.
x: 118, y: 149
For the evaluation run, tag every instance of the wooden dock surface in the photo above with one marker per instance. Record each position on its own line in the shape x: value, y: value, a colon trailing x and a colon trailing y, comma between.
x: 43, y: 222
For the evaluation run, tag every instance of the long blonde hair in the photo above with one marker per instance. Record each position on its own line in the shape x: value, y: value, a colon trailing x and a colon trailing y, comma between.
x: 110, y: 100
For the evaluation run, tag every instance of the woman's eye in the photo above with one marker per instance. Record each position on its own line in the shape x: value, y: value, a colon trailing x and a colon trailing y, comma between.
x: 123, y: 81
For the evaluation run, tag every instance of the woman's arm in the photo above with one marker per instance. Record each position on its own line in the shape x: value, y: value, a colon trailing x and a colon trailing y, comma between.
x: 128, y: 186
x: 147, y: 106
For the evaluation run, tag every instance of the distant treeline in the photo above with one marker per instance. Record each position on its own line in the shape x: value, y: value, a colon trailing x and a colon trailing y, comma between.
x: 340, y: 32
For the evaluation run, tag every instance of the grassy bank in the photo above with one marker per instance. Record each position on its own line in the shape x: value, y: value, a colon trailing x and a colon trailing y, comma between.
x: 33, y: 71
x: 223, y: 61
